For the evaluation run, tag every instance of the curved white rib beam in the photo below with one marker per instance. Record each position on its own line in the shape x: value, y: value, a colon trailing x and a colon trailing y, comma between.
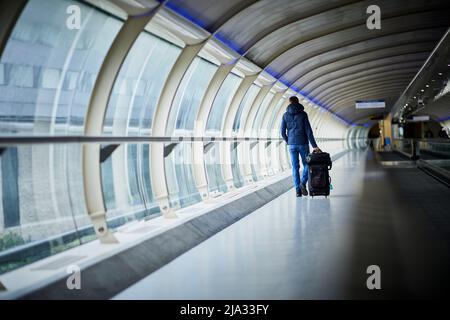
x: 94, y: 121
x: 200, y: 128
x: 159, y: 125
x: 275, y: 133
x: 230, y: 115
x: 246, y: 129
x: 263, y: 132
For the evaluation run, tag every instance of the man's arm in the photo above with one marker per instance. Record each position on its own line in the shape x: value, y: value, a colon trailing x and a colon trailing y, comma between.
x: 309, y: 133
x: 283, y: 129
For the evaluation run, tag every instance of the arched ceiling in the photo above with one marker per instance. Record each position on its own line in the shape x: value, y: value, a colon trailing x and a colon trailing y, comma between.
x: 323, y: 48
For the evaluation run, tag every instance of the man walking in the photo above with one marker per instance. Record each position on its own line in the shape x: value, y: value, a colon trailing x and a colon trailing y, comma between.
x: 296, y: 131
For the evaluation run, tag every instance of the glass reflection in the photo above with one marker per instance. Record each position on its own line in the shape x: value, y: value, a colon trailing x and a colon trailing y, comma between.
x: 178, y: 164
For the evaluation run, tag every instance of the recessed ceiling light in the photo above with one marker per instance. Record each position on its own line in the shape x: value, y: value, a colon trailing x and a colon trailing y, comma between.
x: 427, y: 85
x: 422, y: 90
x: 440, y: 73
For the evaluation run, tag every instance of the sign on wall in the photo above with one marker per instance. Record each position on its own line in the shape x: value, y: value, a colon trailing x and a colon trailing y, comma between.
x: 418, y: 119
x: 369, y: 104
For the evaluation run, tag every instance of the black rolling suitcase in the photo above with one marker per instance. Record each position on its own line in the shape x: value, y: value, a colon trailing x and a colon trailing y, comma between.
x: 318, y: 176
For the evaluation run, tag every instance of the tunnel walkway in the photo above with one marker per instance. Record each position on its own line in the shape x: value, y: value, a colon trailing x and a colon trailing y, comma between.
x: 140, y: 146
x: 315, y: 248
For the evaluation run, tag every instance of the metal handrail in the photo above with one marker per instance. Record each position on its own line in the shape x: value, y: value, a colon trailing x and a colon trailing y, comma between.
x: 415, y: 146
x: 14, y: 140
x: 17, y: 140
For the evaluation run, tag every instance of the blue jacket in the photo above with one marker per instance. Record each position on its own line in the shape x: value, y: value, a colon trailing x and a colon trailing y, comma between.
x: 295, y: 122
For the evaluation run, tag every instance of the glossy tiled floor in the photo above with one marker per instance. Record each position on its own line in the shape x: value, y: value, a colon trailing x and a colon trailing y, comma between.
x: 309, y: 248
x: 290, y: 248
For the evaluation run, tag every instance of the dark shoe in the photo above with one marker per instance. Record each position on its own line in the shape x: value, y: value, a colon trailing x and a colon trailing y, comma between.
x: 299, y: 193
x: 304, y: 190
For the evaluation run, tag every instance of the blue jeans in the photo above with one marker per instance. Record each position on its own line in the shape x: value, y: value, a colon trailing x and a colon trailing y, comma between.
x: 295, y: 150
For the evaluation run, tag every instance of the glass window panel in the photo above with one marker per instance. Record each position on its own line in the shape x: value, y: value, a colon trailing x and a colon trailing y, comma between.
x: 262, y: 111
x: 271, y: 122
x: 42, y: 211
x: 43, y: 93
x: 47, y: 92
x: 239, y: 120
x: 10, y: 188
x: 268, y: 154
x: 222, y: 102
x: 144, y: 176
x: 70, y: 82
x: 138, y: 86
x: 2, y: 74
x: 50, y: 78
x: 21, y: 76
x: 245, y: 106
x: 108, y: 184
x: 126, y: 176
x: 179, y: 172
x: 133, y: 178
x: 180, y: 178
x: 272, y: 132
x: 189, y: 95
x: 238, y: 179
x: 126, y: 185
x: 254, y: 152
x: 216, y: 183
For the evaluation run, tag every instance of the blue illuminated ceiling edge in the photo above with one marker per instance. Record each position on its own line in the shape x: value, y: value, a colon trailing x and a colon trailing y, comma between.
x: 198, y: 22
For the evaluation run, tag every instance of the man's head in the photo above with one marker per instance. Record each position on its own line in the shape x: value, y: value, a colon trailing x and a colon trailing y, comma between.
x: 293, y: 99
